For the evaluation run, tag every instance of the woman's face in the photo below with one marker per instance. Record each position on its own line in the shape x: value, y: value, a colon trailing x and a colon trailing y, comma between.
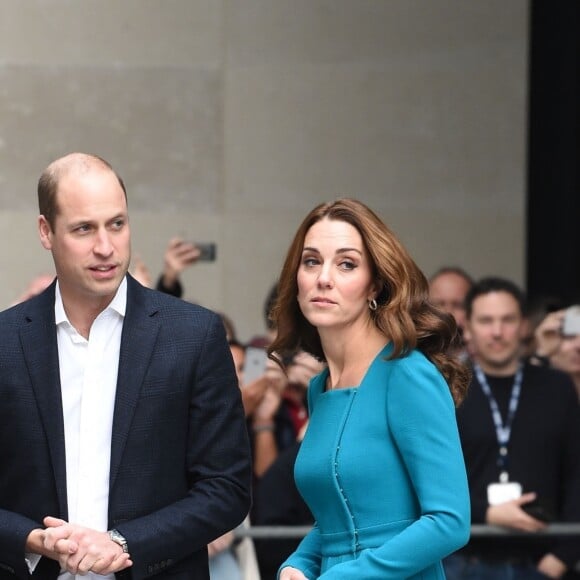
x: 334, y: 278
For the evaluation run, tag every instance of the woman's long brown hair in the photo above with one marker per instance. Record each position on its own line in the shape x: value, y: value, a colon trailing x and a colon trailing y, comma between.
x: 404, y: 313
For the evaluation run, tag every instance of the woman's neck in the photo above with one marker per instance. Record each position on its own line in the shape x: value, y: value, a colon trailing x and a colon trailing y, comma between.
x: 349, y: 355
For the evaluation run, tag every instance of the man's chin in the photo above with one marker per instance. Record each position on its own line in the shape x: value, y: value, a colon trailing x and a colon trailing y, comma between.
x: 104, y: 288
x: 501, y: 363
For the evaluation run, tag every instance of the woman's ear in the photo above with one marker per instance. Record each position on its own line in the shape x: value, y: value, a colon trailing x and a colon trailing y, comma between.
x: 379, y: 291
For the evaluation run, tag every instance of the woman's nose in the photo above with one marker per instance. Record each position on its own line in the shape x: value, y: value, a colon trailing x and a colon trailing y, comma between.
x: 325, y: 279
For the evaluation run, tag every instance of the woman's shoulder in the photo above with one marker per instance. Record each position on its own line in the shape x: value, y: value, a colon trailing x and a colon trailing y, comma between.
x: 416, y: 368
x: 316, y: 388
x: 410, y: 361
x: 318, y: 382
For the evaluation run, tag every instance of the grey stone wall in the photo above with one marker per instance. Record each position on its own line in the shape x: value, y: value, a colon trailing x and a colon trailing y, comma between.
x: 229, y: 120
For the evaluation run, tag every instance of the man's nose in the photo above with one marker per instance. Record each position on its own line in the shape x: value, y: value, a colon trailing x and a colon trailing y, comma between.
x: 103, y: 245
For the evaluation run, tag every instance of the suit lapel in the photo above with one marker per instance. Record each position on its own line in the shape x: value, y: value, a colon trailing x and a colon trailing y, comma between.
x: 140, y: 329
x: 39, y: 345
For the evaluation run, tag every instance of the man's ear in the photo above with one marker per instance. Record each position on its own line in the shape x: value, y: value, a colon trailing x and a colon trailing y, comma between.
x: 45, y: 233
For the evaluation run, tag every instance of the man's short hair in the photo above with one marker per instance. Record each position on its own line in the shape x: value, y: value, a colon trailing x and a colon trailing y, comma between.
x: 452, y: 270
x: 494, y: 284
x: 50, y: 178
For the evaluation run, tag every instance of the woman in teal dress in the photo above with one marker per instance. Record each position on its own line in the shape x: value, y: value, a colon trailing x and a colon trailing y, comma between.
x: 381, y: 466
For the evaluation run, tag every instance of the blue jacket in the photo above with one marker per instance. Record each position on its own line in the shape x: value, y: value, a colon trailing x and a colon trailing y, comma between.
x: 382, y: 470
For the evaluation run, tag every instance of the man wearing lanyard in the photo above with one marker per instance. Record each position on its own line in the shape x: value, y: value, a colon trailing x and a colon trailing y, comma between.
x: 520, y: 433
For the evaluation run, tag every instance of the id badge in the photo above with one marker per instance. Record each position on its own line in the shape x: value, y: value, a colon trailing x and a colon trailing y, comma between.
x: 501, y: 492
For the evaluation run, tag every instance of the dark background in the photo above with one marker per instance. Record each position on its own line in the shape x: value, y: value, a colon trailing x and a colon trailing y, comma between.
x: 553, y: 211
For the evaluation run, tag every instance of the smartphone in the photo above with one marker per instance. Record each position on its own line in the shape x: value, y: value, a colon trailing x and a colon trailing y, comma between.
x: 571, y: 323
x: 254, y: 364
x: 539, y: 511
x: 208, y: 251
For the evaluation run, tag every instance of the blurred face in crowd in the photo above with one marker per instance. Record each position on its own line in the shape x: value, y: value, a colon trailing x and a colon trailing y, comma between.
x: 335, y: 281
x: 567, y: 357
x: 496, y: 328
x: 37, y: 285
x: 90, y: 240
x: 447, y: 291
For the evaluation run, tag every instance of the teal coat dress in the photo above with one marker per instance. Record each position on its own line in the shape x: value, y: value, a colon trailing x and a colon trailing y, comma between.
x: 382, y: 471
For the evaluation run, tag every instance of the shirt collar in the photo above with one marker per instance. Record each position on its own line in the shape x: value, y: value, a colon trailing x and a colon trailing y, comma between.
x: 118, y: 304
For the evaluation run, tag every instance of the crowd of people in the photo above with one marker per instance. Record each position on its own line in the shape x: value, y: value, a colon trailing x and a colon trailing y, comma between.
x: 519, y: 429
x: 407, y: 408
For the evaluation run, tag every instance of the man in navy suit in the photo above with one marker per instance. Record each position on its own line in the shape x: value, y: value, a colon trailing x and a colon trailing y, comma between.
x: 123, y: 445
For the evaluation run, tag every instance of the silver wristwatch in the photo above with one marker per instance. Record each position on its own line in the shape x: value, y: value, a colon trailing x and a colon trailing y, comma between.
x: 119, y: 539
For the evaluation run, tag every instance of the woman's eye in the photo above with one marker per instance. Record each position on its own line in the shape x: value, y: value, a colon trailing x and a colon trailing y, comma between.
x: 347, y: 265
x: 310, y: 261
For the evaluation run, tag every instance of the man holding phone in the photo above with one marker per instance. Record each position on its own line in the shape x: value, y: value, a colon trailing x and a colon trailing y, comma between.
x: 179, y: 255
x: 520, y: 433
x: 557, y: 340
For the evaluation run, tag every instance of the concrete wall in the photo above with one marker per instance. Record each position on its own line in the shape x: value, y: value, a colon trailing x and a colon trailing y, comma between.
x: 230, y: 119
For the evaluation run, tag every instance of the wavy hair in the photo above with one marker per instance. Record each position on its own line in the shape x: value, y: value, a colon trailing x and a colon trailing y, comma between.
x: 404, y: 313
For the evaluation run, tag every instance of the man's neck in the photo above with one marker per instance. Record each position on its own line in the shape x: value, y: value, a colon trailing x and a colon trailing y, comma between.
x: 81, y: 313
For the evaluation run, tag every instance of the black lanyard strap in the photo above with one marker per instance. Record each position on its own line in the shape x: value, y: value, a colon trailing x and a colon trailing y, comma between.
x: 502, y: 430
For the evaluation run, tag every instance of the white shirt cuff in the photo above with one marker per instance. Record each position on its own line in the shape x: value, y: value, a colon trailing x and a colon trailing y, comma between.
x: 32, y: 561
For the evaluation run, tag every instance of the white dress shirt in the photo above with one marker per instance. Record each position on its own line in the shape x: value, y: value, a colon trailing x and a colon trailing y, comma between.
x: 88, y: 379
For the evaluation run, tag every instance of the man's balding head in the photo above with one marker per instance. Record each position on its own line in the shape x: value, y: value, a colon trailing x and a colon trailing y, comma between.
x: 50, y: 178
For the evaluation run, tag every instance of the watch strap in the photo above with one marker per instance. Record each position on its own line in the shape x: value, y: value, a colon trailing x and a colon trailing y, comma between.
x: 118, y: 538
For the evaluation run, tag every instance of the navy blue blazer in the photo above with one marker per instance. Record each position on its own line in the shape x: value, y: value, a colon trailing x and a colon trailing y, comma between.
x: 180, y: 461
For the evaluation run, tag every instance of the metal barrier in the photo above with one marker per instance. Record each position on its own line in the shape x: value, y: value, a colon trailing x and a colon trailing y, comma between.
x: 477, y: 530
